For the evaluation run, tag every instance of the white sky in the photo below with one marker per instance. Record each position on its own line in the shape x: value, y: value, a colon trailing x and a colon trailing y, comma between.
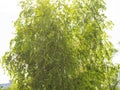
x: 9, y: 12
x: 113, y: 14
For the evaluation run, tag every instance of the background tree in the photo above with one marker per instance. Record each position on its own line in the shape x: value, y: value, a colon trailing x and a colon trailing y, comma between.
x: 61, y: 45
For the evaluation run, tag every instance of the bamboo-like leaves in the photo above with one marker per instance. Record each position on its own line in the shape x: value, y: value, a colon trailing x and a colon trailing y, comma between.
x: 61, y: 46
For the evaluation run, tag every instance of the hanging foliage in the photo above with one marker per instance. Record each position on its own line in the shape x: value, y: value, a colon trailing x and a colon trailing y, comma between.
x: 61, y: 45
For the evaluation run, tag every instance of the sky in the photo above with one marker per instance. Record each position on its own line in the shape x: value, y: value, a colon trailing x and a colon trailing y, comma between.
x: 113, y: 14
x: 9, y: 11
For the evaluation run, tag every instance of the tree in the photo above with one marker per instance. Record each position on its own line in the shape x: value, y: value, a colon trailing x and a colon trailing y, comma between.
x: 61, y: 45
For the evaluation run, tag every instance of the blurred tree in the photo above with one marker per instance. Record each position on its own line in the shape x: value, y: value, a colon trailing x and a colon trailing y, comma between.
x: 61, y: 45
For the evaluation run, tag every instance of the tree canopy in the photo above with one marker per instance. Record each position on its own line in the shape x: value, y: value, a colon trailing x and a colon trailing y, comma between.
x: 61, y: 45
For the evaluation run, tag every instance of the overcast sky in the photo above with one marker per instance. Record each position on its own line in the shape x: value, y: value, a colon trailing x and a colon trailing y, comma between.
x: 113, y: 14
x: 9, y: 12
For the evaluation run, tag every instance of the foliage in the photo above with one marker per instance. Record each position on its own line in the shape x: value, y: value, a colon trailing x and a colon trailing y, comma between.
x: 13, y: 86
x: 61, y: 45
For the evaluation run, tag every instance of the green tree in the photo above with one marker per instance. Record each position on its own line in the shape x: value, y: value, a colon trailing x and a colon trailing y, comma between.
x: 61, y: 45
